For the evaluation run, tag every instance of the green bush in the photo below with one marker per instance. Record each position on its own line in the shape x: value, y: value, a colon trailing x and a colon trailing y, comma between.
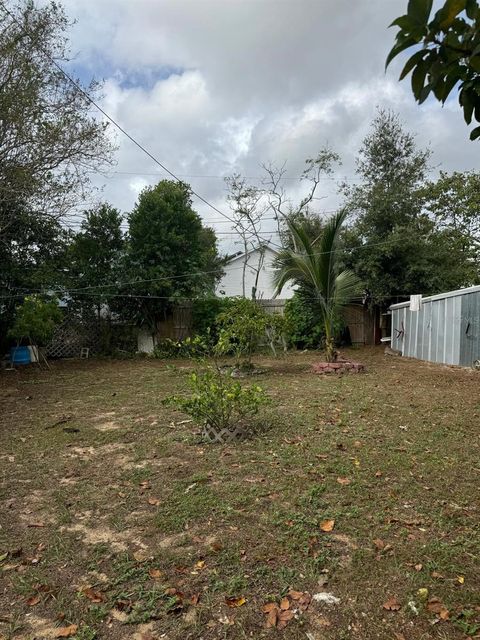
x: 36, y: 320
x: 218, y: 400
x: 303, y: 328
x: 205, y: 314
x: 196, y: 347
x: 244, y: 326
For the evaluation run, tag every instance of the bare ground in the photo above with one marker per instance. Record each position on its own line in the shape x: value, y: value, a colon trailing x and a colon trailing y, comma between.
x: 117, y: 519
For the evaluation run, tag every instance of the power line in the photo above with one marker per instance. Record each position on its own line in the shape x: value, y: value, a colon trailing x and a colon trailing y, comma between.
x: 110, y: 118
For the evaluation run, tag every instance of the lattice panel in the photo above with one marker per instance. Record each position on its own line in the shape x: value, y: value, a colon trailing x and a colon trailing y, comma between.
x: 71, y: 337
x: 223, y: 436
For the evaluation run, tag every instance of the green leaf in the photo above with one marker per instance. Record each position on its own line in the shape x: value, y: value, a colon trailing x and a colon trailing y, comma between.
x: 447, y: 14
x: 450, y: 81
x: 419, y: 10
x: 475, y: 133
x: 467, y: 104
x: 472, y: 9
x: 418, y: 78
x: 474, y: 63
x: 399, y: 47
x: 424, y: 93
x: 404, y: 22
x: 411, y: 62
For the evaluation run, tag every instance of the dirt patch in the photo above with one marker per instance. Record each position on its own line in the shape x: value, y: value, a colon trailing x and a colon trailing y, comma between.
x: 108, y: 426
x: 118, y: 540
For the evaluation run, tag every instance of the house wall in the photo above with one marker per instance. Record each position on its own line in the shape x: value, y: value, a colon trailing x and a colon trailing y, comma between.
x: 231, y: 282
x: 446, y: 329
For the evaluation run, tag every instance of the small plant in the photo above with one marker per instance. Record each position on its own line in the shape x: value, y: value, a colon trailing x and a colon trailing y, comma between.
x: 219, y: 404
x: 196, y: 347
x: 36, y: 320
x: 243, y: 326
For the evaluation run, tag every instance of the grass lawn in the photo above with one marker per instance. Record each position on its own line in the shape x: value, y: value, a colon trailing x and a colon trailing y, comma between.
x: 117, y: 519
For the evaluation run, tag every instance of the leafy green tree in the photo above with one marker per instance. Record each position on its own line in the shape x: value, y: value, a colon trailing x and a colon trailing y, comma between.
x: 36, y: 320
x: 50, y: 141
x: 315, y: 267
x: 242, y: 327
x: 95, y: 257
x: 447, y: 52
x: 33, y: 257
x: 453, y: 203
x: 170, y: 255
x: 393, y: 244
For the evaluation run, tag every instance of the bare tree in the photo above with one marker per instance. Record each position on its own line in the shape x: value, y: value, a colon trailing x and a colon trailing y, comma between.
x: 279, y: 204
x: 246, y: 204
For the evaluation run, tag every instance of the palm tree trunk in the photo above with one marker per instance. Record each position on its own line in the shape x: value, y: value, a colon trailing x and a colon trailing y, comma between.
x: 330, y: 352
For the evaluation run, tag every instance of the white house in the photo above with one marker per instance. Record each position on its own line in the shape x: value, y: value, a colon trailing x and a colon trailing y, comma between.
x: 260, y: 259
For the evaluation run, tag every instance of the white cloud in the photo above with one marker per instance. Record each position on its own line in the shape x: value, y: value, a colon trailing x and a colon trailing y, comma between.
x: 218, y: 86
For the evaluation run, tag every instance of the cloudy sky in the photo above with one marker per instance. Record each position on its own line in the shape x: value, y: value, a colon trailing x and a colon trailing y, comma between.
x: 213, y: 87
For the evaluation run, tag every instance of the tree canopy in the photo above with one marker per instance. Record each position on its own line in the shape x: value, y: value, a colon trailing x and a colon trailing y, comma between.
x: 447, y: 52
x: 170, y: 255
x: 394, y: 243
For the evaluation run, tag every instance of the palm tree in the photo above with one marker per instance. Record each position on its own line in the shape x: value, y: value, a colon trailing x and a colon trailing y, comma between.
x: 314, y: 266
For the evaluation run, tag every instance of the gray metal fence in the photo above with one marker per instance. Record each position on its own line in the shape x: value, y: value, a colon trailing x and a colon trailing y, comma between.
x: 445, y: 329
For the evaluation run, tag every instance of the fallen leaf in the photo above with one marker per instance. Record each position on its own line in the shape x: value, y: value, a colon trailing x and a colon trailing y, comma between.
x: 3, y: 556
x: 33, y: 601
x: 419, y: 567
x: 272, y: 618
x: 392, y: 604
x: 285, y: 604
x: 155, y: 573
x: 379, y: 543
x: 437, y: 575
x: 194, y: 598
x: 295, y: 595
x: 435, y: 605
x: 269, y: 606
x: 93, y: 596
x: 460, y: 579
x: 344, y: 481
x: 444, y: 614
x: 153, y: 501
x: 66, y: 632
x: 283, y: 618
x: 200, y: 564
x: 327, y: 525
x: 399, y: 636
x: 378, y: 474
x: 235, y: 602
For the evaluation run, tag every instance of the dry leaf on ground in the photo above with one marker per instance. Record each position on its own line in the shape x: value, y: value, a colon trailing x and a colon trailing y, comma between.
x: 235, y: 602
x: 93, y: 596
x: 392, y: 604
x: 66, y: 632
x: 155, y: 573
x: 33, y: 600
x: 344, y: 481
x: 327, y: 525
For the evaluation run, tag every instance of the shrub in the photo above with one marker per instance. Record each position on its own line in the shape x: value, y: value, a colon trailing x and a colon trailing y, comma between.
x: 196, y: 347
x: 303, y: 328
x: 218, y: 401
x: 36, y: 320
x: 243, y: 326
x: 205, y: 314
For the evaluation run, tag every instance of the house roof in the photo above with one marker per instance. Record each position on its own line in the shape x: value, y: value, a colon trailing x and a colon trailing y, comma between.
x: 241, y: 254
